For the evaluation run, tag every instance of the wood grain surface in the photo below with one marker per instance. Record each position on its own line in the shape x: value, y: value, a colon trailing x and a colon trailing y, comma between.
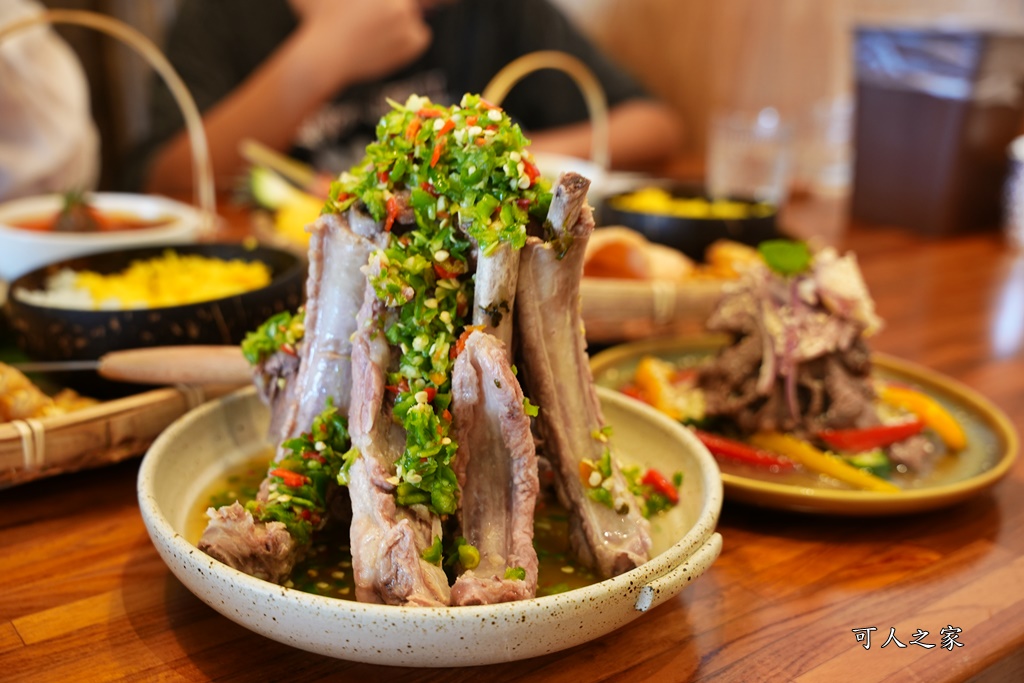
x: 85, y: 596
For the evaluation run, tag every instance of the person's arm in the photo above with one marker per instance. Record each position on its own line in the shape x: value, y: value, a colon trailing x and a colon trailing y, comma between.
x: 48, y: 140
x: 641, y: 132
x: 336, y: 45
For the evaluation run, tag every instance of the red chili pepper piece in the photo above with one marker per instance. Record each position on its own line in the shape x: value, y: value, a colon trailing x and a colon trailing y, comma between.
x: 436, y: 156
x: 446, y: 414
x: 524, y: 203
x: 288, y: 349
x: 532, y: 171
x: 414, y: 127
x: 428, y: 188
x: 661, y: 484
x: 446, y: 126
x: 471, y: 120
x: 292, y: 479
x: 857, y: 440
x: 430, y: 113
x: 722, y: 447
x: 392, y: 208
x: 444, y: 273
x: 383, y: 176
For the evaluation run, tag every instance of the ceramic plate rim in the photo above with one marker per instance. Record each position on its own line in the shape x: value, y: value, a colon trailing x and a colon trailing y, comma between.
x: 843, y: 502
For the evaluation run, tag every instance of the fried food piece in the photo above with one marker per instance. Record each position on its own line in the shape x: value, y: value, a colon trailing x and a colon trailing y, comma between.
x: 617, y: 252
x: 21, y: 399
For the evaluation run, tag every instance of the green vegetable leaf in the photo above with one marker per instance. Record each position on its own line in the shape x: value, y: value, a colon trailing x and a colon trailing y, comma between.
x: 283, y: 330
x: 786, y: 257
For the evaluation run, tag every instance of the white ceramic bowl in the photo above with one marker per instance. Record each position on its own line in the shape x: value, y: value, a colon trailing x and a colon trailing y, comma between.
x: 22, y: 251
x: 191, y: 453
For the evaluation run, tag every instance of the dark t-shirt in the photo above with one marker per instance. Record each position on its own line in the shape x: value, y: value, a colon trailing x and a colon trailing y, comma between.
x: 216, y: 44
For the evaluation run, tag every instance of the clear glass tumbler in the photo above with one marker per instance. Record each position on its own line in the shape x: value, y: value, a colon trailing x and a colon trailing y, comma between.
x: 749, y: 156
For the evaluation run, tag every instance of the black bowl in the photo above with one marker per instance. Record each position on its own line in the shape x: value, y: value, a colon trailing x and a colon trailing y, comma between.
x: 692, y: 236
x: 46, y: 333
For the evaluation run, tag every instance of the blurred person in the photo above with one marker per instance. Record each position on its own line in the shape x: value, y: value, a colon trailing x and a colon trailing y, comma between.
x: 311, y: 78
x: 48, y: 140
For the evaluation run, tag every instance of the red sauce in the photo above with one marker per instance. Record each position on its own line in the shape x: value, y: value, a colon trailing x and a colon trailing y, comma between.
x: 109, y: 221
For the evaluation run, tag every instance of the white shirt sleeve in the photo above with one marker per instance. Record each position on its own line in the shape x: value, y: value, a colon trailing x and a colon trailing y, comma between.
x: 48, y: 140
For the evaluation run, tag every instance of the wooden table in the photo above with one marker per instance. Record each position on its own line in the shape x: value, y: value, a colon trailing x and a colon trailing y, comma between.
x: 86, y: 597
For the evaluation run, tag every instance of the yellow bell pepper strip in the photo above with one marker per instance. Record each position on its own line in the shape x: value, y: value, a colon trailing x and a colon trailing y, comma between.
x: 818, y: 461
x: 929, y: 410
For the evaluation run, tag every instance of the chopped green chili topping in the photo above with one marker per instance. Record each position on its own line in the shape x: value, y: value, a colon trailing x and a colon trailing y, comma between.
x: 467, y: 171
x: 517, y: 573
x: 432, y: 554
x: 299, y: 481
x: 530, y: 409
x: 461, y: 552
x: 653, y: 492
x: 280, y: 332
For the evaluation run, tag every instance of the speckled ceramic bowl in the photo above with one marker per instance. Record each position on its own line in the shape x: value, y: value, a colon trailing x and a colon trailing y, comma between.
x: 193, y: 451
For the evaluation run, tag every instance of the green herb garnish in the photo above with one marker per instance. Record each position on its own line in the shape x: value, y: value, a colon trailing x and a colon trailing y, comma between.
x: 299, y: 481
x: 280, y: 332
x: 786, y: 257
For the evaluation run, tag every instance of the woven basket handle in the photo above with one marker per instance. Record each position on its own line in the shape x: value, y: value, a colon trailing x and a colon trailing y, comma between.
x: 593, y: 94
x: 202, y: 167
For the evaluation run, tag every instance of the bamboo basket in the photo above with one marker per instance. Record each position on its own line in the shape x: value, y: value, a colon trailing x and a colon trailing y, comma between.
x: 114, y: 430
x: 614, y: 309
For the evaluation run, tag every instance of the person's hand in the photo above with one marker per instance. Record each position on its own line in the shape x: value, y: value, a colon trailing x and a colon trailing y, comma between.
x: 358, y: 41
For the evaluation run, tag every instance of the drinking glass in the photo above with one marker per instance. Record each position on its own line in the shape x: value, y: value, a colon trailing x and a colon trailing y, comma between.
x: 749, y: 156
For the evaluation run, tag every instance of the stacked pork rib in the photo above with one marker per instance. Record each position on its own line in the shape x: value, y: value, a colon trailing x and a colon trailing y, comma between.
x: 533, y: 293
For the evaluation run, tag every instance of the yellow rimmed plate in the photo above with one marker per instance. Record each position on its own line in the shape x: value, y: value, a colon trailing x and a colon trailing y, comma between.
x: 992, y: 441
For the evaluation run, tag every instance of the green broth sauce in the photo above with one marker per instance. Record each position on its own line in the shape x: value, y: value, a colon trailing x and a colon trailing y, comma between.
x: 327, y: 568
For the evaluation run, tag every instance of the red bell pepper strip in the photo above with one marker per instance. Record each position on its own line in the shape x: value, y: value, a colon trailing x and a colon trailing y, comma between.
x: 857, y: 440
x: 657, y: 481
x: 722, y: 447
